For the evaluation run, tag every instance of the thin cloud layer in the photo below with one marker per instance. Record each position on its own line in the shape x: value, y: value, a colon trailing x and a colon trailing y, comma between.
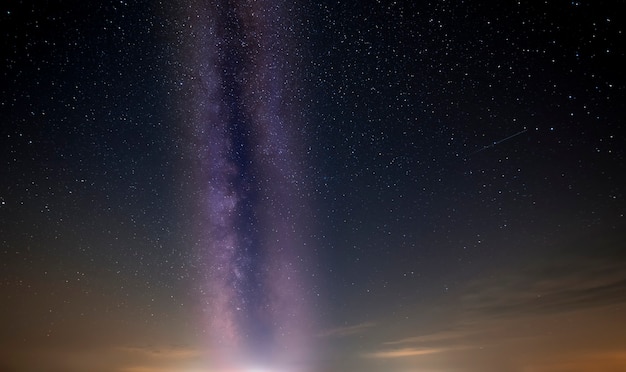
x: 402, y: 353
x: 347, y: 330
x: 549, y: 317
x: 548, y: 289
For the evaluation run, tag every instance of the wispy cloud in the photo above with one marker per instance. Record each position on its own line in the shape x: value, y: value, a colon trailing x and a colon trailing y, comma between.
x: 346, y: 330
x: 158, y: 358
x: 611, y: 361
x: 420, y: 345
x: 548, y: 288
x: 145, y: 369
x: 162, y: 353
x: 443, y: 336
x: 402, y: 353
x: 515, y: 317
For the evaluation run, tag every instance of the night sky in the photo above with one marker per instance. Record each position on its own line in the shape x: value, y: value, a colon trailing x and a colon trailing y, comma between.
x: 275, y: 186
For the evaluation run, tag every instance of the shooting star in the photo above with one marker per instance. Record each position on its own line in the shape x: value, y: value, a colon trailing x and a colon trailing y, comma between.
x: 493, y: 144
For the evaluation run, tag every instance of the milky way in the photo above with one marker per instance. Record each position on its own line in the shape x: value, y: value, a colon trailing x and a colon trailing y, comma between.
x: 242, y: 118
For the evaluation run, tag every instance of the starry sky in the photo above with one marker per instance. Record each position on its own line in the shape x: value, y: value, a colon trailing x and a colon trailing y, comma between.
x: 323, y: 186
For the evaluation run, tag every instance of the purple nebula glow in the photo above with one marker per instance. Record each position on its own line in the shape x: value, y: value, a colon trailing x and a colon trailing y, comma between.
x: 242, y: 117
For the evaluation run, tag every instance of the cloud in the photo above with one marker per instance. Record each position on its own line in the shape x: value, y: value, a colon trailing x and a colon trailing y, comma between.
x: 162, y: 353
x: 402, y: 353
x: 594, y: 361
x: 347, y: 330
x: 548, y: 288
x: 145, y: 369
x: 159, y: 359
x: 166, y: 369
x: 420, y: 345
x: 109, y: 358
x: 549, y: 316
x: 443, y: 336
